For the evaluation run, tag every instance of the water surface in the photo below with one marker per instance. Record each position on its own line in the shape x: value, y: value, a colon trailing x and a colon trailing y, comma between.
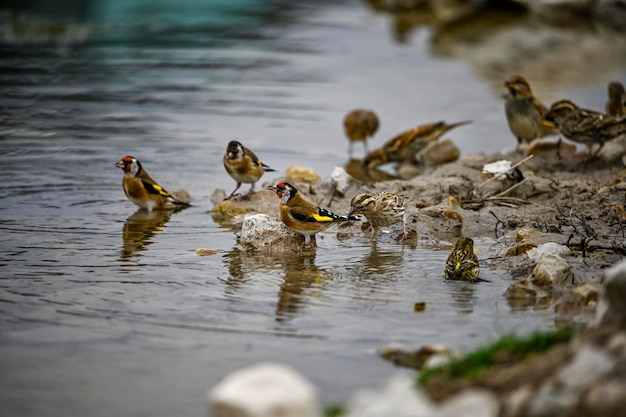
x: 108, y: 310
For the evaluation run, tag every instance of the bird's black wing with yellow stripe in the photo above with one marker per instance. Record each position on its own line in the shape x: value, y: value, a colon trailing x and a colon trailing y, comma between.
x: 322, y: 215
x: 154, y: 188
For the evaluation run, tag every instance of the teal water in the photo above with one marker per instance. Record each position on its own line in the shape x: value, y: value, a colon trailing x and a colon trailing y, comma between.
x: 109, y: 311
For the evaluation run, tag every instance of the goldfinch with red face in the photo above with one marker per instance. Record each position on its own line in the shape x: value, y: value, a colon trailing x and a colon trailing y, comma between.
x: 243, y: 166
x: 360, y: 125
x: 408, y: 145
x: 302, y: 215
x: 142, y: 190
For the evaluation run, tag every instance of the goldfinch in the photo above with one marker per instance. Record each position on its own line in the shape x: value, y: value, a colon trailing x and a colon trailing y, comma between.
x: 462, y: 263
x: 243, y: 166
x: 615, y: 106
x: 142, y: 190
x: 585, y: 126
x: 408, y: 145
x: 381, y: 210
x: 524, y: 113
x: 302, y: 215
x: 360, y: 125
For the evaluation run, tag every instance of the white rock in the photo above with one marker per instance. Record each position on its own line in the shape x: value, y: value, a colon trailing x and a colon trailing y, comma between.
x: 588, y: 366
x: 341, y: 180
x: 262, y: 232
x: 400, y: 398
x: 470, y: 403
x: 498, y: 167
x: 264, y: 390
x: 551, y: 269
x: 551, y: 401
x: 611, y: 309
x: 549, y: 248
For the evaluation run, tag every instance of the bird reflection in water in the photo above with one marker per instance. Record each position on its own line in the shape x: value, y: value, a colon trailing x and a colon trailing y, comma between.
x: 382, y: 264
x: 140, y: 229
x: 300, y: 275
x: 463, y: 296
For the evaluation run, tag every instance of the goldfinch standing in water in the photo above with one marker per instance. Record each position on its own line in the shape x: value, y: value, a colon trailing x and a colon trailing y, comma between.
x: 381, y: 210
x: 143, y: 190
x: 243, y: 166
x: 462, y: 263
x: 524, y: 113
x: 302, y: 215
x: 360, y: 125
x: 615, y: 104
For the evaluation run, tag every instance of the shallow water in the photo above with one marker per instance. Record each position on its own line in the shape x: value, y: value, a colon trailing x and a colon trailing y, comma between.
x: 108, y: 310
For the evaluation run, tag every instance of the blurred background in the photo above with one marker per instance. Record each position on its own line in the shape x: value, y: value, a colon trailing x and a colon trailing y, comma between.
x: 108, y: 310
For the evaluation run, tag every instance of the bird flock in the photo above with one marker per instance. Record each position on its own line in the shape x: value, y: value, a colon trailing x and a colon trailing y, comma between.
x: 527, y: 117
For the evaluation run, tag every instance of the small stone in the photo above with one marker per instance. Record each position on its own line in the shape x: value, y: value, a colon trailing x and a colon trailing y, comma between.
x: 264, y: 390
x: 442, y: 152
x: 549, y: 401
x: 606, y: 399
x: 550, y: 270
x: 549, y: 248
x: 341, y: 181
x: 587, y: 367
x: 611, y: 309
x: 181, y: 195
x: 262, y: 232
x: 405, y: 356
x: 205, y: 252
x: 419, y: 306
x: 398, y: 399
x: 517, y: 401
x: 471, y: 403
x: 297, y: 173
x: 524, y: 290
x: 586, y: 293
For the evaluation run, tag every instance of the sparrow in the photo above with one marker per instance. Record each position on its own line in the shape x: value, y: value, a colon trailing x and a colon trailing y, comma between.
x: 381, y: 209
x: 243, y: 166
x: 408, y: 145
x: 462, y: 263
x: 616, y: 104
x: 584, y: 126
x: 359, y: 125
x: 302, y: 215
x: 524, y: 113
x: 142, y: 190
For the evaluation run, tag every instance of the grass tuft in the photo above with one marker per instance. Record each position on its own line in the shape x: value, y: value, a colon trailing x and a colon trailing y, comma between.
x: 506, y: 349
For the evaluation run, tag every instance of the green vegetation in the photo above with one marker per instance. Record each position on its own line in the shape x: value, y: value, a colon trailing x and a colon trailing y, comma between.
x: 508, y: 348
x: 333, y: 410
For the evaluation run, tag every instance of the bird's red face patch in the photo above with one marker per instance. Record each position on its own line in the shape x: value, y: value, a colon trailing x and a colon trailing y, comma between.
x: 125, y: 163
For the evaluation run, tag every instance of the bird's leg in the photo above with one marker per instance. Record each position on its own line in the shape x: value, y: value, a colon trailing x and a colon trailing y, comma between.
x: 365, y: 146
x: 595, y: 154
x: 233, y: 193
x: 374, y: 230
x: 249, y: 193
x: 350, y: 147
x: 403, y: 238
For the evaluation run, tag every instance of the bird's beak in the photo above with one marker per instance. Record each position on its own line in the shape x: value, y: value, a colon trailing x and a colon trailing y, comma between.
x: 548, y: 120
x: 273, y: 188
x: 120, y: 164
x: 508, y: 84
x: 352, y: 210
